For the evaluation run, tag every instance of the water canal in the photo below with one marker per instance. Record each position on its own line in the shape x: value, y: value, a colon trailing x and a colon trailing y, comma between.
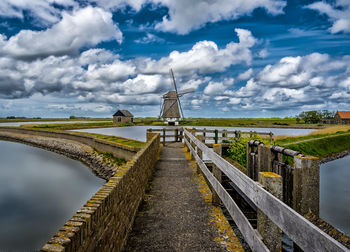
x: 39, y: 191
x: 139, y: 132
x: 335, y: 193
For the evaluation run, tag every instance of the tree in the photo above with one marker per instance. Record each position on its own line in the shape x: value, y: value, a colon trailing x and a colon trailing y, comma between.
x: 314, y: 116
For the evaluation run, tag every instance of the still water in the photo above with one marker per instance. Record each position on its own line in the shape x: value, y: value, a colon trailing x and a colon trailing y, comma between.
x: 139, y: 132
x: 335, y: 193
x: 39, y: 191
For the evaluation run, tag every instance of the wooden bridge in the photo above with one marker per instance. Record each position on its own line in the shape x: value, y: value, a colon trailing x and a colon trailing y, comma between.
x: 279, y: 199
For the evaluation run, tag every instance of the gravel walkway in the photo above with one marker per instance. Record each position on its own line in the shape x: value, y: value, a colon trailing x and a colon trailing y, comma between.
x: 174, y: 216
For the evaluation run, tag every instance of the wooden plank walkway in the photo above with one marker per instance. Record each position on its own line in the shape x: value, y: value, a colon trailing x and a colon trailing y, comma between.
x: 174, y: 215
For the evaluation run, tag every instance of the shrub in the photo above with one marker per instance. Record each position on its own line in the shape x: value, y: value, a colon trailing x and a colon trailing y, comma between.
x: 238, y: 148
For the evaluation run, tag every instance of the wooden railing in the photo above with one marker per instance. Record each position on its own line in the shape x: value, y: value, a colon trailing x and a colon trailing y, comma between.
x: 210, y: 136
x: 306, y: 235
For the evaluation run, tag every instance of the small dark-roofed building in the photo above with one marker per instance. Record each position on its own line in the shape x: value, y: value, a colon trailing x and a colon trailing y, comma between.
x: 123, y: 116
x: 342, y: 117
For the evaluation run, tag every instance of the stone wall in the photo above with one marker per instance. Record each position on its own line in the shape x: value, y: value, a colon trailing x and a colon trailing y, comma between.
x: 104, y: 222
x: 118, y: 150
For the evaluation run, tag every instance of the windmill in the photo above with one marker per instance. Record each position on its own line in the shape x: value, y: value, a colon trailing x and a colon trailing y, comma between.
x: 171, y: 106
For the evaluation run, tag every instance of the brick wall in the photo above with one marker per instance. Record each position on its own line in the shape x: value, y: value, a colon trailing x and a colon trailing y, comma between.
x: 104, y: 222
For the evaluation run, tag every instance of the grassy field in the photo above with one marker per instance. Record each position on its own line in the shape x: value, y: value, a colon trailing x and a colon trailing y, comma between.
x: 234, y: 122
x: 223, y: 122
x: 116, y: 139
x: 69, y: 126
x: 321, y: 143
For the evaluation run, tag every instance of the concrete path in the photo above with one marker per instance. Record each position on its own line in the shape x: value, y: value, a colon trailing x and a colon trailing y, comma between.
x: 174, y: 215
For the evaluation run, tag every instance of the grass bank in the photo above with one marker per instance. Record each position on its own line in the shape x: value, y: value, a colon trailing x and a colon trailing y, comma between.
x: 322, y: 143
x: 72, y: 126
x: 69, y: 126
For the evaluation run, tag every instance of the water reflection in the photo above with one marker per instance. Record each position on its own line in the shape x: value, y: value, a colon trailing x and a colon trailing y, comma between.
x: 39, y: 191
x: 139, y: 132
x: 335, y: 193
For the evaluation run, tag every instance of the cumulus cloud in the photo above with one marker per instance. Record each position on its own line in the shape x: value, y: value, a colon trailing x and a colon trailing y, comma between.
x: 338, y: 13
x: 314, y: 79
x: 184, y: 16
x: 44, y: 10
x: 83, y: 28
x: 150, y: 39
x: 245, y: 75
x: 205, y: 57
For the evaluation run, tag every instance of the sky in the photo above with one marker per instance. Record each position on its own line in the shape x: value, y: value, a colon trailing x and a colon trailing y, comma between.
x: 244, y: 58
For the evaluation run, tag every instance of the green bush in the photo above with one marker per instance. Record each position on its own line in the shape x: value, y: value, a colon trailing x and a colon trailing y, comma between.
x: 238, y: 148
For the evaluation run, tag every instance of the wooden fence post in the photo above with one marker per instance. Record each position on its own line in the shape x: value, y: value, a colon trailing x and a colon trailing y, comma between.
x: 199, y: 152
x: 193, y: 144
x: 264, y: 162
x: 250, y: 161
x: 216, y: 136
x: 271, y: 233
x: 163, y: 136
x: 271, y: 137
x: 306, y: 185
x: 217, y: 174
x: 176, y: 135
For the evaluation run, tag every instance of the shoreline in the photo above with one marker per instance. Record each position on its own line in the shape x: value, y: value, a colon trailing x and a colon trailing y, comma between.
x: 68, y: 148
x: 335, y: 156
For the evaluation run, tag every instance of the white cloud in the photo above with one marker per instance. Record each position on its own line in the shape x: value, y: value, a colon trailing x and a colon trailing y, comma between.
x: 84, y: 27
x: 216, y: 60
x: 185, y: 16
x: 245, y: 75
x: 338, y: 13
x: 295, y: 82
x: 150, y: 39
x: 43, y: 10
x: 218, y: 88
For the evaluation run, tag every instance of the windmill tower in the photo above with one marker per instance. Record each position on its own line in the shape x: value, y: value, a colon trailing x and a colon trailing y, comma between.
x: 171, y: 107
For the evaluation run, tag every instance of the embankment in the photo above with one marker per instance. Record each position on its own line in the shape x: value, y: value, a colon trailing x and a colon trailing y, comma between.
x: 105, y: 221
x: 118, y: 150
x: 326, y: 148
x: 71, y: 149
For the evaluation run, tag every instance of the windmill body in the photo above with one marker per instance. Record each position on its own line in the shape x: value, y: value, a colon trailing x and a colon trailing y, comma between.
x: 170, y: 112
x: 171, y: 107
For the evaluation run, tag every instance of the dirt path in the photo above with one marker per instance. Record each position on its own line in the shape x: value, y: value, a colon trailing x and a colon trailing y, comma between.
x: 174, y: 216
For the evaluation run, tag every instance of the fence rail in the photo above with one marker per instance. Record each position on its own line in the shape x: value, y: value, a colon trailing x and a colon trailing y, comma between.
x: 216, y: 135
x: 306, y: 235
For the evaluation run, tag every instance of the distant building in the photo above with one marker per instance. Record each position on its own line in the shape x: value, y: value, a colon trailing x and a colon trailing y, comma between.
x: 342, y: 117
x: 123, y: 116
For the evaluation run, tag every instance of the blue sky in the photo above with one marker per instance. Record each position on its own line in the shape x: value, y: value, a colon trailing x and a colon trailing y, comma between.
x: 245, y: 58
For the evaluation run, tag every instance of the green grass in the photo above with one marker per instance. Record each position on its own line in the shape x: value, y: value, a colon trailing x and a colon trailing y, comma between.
x: 68, y: 126
x: 324, y: 147
x: 109, y: 157
x: 71, y: 126
x: 116, y: 139
x: 285, y: 141
x: 247, y: 122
